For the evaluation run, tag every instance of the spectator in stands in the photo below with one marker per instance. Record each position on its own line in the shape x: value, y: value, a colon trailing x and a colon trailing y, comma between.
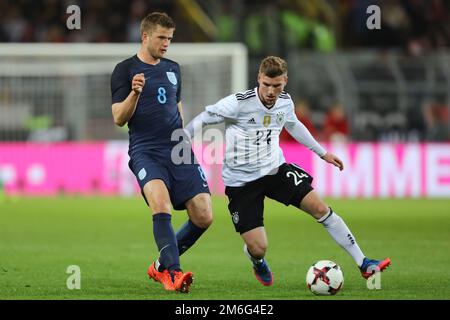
x: 226, y: 24
x: 137, y: 8
x: 437, y: 122
x: 307, y: 24
x: 415, y: 120
x: 14, y: 25
x: 336, y: 127
x: 430, y: 26
x: 302, y: 111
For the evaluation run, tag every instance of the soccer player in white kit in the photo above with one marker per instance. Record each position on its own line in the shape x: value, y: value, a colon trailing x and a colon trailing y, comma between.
x: 255, y: 167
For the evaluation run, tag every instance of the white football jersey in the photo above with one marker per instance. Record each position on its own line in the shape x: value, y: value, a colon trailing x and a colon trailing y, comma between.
x: 252, y: 135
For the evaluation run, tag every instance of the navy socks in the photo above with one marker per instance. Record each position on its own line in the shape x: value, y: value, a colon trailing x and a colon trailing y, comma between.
x: 187, y: 235
x: 166, y: 241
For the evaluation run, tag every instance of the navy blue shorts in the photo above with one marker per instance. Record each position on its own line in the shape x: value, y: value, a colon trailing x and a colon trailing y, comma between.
x: 183, y: 181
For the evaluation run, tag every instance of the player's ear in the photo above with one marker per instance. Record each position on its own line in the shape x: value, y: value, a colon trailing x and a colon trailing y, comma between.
x: 144, y: 36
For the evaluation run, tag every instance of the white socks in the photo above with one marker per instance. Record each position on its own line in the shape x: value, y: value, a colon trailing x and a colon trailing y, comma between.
x: 339, y: 231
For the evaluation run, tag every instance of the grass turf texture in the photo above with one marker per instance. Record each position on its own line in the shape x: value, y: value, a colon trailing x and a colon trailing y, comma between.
x: 111, y: 240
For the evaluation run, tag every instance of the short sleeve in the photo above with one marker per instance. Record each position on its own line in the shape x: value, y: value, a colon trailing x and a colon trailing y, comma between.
x: 120, y: 83
x: 226, y: 107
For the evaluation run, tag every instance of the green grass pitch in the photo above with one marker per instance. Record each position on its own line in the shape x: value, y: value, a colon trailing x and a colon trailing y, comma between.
x: 111, y: 240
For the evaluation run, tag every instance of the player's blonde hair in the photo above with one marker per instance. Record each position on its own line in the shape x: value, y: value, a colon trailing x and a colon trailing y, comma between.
x: 273, y: 67
x: 149, y: 23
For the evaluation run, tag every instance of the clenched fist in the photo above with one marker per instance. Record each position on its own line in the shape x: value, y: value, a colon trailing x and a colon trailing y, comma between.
x: 138, y: 83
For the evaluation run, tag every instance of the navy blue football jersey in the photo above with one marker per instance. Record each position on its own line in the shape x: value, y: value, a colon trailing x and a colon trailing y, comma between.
x: 156, y: 115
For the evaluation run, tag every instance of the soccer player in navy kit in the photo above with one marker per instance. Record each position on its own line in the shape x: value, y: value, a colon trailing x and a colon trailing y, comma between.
x: 146, y: 94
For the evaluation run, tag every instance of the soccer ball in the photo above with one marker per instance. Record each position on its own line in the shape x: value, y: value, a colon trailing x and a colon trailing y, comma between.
x: 324, y: 278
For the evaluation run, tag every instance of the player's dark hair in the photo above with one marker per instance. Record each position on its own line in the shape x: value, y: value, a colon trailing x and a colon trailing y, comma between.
x: 273, y: 67
x: 156, y: 19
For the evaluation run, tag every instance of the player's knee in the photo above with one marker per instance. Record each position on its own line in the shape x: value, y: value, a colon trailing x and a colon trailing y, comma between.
x: 160, y: 206
x: 257, y: 249
x: 320, y: 209
x: 204, y: 218
x: 200, y: 212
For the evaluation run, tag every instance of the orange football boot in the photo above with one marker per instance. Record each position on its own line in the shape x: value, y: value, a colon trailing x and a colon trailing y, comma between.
x: 161, y: 277
x: 177, y: 281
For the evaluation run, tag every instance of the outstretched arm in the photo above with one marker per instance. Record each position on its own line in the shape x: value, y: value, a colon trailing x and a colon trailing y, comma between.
x: 300, y: 133
x: 334, y: 160
x: 225, y: 108
x: 203, y: 119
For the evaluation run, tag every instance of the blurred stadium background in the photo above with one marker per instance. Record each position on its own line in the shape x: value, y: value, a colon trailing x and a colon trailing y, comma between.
x: 379, y: 98
x: 350, y: 84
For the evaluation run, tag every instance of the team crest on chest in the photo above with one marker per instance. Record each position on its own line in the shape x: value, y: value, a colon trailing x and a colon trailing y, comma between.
x: 280, y: 118
x: 172, y: 77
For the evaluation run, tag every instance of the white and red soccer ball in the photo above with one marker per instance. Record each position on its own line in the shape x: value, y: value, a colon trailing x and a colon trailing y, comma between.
x: 324, y: 278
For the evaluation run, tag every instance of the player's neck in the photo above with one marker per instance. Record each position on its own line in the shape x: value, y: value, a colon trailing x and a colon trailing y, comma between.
x: 264, y: 103
x: 146, y: 57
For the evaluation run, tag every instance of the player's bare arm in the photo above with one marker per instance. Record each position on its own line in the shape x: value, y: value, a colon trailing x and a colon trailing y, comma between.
x: 333, y: 159
x: 123, y: 111
x: 180, y: 110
